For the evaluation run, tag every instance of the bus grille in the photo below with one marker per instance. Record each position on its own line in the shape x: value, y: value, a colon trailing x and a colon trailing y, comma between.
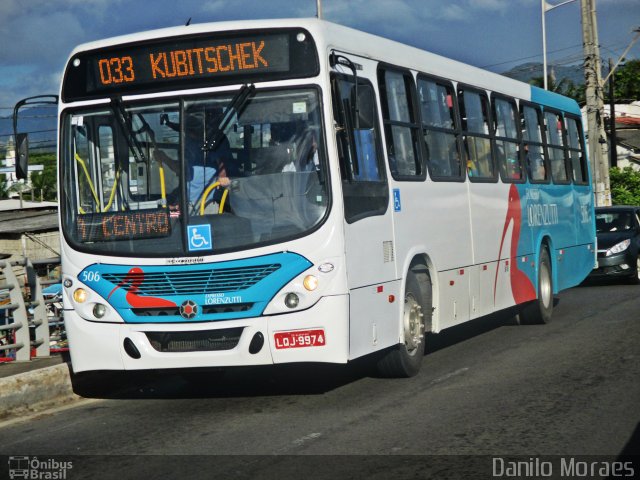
x: 206, y: 310
x: 192, y: 282
x: 201, y: 341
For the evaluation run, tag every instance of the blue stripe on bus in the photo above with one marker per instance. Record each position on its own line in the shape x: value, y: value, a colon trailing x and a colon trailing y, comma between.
x: 550, y: 99
x: 160, y: 290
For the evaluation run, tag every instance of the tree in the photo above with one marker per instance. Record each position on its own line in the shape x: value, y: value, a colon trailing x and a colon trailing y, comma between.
x: 44, y: 183
x: 4, y: 189
x: 627, y: 81
x: 625, y: 186
x: 564, y: 87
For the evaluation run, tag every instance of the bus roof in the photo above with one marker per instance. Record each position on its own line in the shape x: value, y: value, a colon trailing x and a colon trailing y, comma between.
x: 328, y: 36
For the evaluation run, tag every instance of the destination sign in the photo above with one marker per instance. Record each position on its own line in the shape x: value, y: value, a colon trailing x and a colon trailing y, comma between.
x: 191, y: 61
x: 102, y: 227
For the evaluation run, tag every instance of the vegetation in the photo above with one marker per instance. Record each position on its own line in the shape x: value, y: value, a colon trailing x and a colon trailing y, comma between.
x: 564, y: 87
x: 43, y: 184
x: 626, y: 84
x: 625, y: 186
x: 627, y: 81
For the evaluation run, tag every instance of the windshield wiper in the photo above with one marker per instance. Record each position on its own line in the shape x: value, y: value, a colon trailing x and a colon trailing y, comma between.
x: 235, y: 107
x: 124, y: 121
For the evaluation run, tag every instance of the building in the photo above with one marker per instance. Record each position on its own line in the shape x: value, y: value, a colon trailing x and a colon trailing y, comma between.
x: 627, y: 125
x: 30, y: 230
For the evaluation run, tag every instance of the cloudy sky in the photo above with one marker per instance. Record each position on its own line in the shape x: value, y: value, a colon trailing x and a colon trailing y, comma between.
x: 36, y: 36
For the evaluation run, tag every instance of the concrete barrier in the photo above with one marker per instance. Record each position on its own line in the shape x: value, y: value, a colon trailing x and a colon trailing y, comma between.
x: 35, y: 391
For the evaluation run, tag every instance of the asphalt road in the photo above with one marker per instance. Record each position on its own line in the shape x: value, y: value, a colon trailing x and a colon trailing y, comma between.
x: 487, y: 389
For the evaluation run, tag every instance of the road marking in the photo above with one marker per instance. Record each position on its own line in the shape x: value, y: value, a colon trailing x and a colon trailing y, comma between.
x: 449, y: 375
x: 301, y: 441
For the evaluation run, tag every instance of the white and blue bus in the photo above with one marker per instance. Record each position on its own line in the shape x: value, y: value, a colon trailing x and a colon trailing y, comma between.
x: 266, y: 192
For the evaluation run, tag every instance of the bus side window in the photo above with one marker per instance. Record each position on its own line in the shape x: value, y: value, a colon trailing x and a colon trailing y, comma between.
x: 364, y: 182
x: 400, y: 125
x: 533, y: 146
x: 575, y: 141
x: 474, y: 115
x: 440, y: 130
x: 555, y: 145
x: 508, y: 150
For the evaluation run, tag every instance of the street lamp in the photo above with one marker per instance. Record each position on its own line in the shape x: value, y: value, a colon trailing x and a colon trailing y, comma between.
x: 545, y: 8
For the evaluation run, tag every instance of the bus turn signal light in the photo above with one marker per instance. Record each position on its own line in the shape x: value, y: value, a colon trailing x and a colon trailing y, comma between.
x: 310, y: 282
x: 80, y: 295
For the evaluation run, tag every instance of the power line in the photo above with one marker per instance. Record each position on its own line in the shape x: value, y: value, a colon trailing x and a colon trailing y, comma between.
x: 530, y: 56
x: 35, y: 131
x: 613, y: 45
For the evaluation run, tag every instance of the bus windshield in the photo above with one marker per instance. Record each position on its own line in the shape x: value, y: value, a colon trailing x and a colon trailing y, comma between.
x: 194, y: 175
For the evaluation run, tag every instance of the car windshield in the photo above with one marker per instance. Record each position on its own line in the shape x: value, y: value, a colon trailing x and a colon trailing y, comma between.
x: 194, y: 175
x: 613, y: 221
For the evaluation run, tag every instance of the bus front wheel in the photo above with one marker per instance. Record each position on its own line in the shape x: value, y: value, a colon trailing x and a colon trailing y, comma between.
x: 405, y: 359
x: 539, y: 310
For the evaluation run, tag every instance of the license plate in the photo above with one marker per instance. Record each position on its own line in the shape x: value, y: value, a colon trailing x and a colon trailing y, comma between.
x: 299, y: 339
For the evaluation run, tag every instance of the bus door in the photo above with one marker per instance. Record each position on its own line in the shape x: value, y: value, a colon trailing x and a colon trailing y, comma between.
x: 368, y: 224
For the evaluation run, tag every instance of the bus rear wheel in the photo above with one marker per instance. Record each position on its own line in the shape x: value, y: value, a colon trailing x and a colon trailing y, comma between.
x: 404, y: 360
x: 539, y: 310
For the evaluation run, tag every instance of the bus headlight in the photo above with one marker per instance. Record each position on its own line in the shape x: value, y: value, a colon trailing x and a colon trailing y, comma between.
x: 291, y: 300
x: 99, y: 310
x: 80, y: 295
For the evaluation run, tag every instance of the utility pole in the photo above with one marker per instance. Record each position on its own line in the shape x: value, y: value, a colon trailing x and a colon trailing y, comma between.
x: 612, y: 119
x: 597, y: 144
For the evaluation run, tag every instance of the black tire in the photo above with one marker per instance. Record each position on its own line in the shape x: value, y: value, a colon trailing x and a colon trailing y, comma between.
x: 539, y: 310
x: 635, y: 278
x: 405, y: 359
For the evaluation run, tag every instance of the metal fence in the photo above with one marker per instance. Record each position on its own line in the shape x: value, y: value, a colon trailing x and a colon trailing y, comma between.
x: 26, y: 317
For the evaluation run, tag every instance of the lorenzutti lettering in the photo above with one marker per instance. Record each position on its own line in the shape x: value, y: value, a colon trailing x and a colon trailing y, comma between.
x: 542, y: 214
x: 220, y: 299
x: 206, y: 60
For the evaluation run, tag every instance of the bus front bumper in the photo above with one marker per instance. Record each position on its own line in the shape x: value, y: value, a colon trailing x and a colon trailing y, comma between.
x: 319, y: 334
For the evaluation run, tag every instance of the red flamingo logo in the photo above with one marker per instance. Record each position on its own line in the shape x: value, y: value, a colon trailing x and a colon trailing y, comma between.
x: 134, y: 279
x: 521, y: 287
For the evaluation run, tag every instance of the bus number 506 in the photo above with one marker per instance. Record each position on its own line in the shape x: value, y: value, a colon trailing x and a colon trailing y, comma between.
x: 116, y: 70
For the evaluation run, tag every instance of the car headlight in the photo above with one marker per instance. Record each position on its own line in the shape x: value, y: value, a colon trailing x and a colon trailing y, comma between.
x: 618, y: 248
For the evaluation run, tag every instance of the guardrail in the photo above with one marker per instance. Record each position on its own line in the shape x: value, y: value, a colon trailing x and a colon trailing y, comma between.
x: 27, y: 321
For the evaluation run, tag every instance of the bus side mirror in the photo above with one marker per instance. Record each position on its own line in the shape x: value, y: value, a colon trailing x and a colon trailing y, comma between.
x: 366, y: 107
x: 22, y: 155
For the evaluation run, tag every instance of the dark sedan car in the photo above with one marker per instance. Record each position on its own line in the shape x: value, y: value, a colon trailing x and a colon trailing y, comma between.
x: 618, y: 232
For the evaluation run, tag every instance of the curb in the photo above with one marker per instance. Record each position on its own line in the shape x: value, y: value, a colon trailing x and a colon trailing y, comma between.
x: 34, y: 391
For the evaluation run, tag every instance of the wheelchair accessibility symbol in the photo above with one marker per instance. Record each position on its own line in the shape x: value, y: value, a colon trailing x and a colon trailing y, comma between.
x: 200, y: 237
x: 397, y: 204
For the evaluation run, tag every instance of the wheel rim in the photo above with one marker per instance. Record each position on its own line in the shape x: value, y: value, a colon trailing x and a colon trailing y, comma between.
x: 413, y: 326
x: 545, y: 285
x: 638, y: 268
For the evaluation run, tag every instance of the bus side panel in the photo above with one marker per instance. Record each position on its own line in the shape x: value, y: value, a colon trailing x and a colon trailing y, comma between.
x: 487, y: 203
x: 549, y: 216
x: 575, y: 263
x: 373, y: 323
x: 436, y: 215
